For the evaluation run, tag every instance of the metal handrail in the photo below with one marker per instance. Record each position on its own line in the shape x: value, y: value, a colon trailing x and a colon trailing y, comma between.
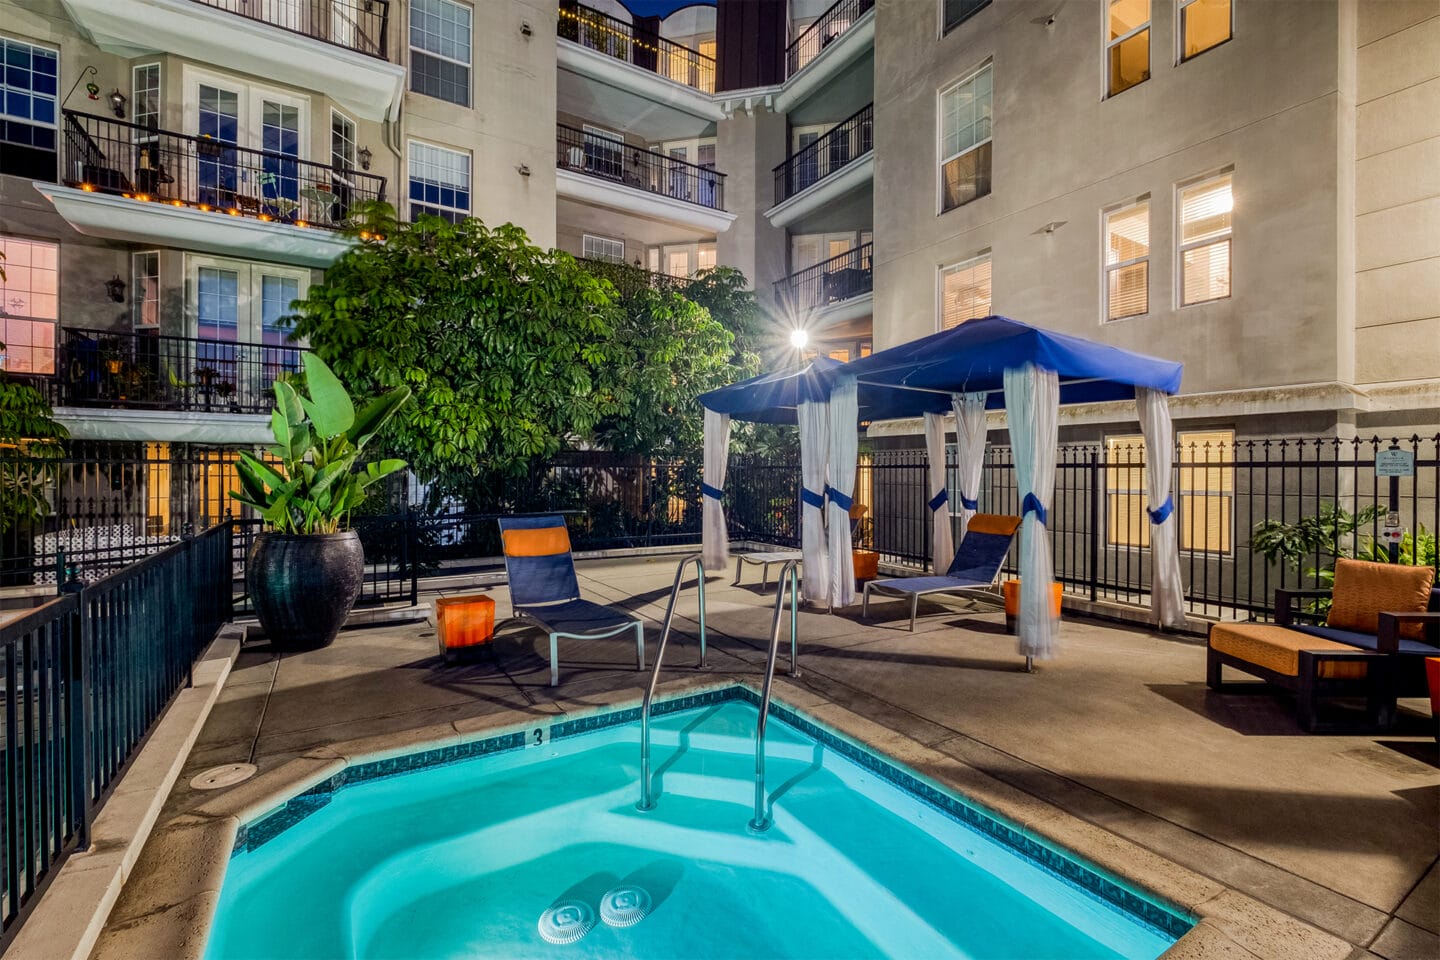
x: 841, y: 145
x: 842, y: 277
x: 760, y: 822
x: 647, y: 798
x: 819, y: 33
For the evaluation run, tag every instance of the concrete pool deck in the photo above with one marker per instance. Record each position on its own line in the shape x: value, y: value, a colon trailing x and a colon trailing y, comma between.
x: 1117, y: 738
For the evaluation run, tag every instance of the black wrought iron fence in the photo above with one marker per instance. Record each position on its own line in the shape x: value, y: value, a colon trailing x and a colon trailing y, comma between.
x: 823, y: 31
x: 360, y: 25
x: 606, y: 157
x: 636, y: 45
x: 840, y: 146
x: 211, y: 174
x: 85, y: 676
x: 842, y: 277
x: 629, y: 279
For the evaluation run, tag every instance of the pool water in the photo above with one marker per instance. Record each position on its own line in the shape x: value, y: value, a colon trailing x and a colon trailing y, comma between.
x: 472, y: 859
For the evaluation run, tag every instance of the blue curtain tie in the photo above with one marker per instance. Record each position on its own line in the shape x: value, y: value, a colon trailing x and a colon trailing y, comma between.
x: 968, y: 504
x: 812, y: 499
x: 1033, y: 505
x: 714, y: 493
x: 839, y: 499
x: 939, y: 500
x: 1159, y: 516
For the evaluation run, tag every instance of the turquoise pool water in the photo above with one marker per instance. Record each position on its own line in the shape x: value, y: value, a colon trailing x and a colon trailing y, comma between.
x: 487, y: 857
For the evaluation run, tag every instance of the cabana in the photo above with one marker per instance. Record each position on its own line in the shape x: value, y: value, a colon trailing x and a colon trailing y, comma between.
x: 989, y: 363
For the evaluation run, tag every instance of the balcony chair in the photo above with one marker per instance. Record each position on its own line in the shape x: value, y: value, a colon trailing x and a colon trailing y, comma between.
x: 975, y: 568
x: 545, y: 592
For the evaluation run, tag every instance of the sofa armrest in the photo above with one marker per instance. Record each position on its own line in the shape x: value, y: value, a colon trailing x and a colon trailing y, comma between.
x: 1388, y: 636
x: 1285, y: 610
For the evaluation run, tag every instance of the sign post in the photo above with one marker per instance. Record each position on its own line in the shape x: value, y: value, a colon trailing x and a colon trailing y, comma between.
x: 1394, y: 463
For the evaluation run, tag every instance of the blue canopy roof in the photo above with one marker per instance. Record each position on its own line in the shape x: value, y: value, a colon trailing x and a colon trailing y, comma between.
x: 919, y: 376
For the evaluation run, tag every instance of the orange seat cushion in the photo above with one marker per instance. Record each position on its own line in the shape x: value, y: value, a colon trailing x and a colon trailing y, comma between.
x: 543, y: 542
x: 1364, y: 590
x: 1278, y: 648
x: 993, y: 523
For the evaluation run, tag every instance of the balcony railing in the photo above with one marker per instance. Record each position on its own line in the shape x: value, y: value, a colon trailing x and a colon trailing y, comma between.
x: 842, y: 277
x: 359, y: 25
x: 112, y: 156
x: 825, y: 30
x: 597, y: 155
x: 151, y: 371
x: 842, y: 145
x: 629, y: 279
x: 643, y: 48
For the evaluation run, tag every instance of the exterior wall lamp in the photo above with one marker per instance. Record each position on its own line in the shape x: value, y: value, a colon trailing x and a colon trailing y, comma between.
x: 117, y: 103
x: 115, y: 287
x: 364, y: 155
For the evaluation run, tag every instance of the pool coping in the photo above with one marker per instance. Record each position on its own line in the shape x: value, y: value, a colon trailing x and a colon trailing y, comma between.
x: 177, y: 909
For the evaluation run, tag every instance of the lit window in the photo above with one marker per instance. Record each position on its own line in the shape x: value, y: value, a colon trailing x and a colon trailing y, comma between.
x: 29, y: 304
x: 1203, y: 24
x: 677, y: 263
x: 704, y: 258
x: 439, y: 182
x: 955, y: 12
x: 1127, y: 44
x: 342, y: 141
x: 1127, y: 261
x: 145, y: 97
x: 1203, y: 498
x: 29, y: 109
x: 440, y: 50
x: 966, y: 112
x: 964, y: 292
x: 145, y: 287
x: 1205, y: 233
x: 602, y: 248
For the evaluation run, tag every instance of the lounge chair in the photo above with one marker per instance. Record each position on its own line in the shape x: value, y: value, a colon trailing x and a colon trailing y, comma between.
x: 976, y: 565
x: 545, y: 592
x: 765, y: 559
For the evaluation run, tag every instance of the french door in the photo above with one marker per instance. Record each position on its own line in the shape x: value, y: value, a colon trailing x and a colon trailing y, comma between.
x: 229, y: 114
x: 241, y: 340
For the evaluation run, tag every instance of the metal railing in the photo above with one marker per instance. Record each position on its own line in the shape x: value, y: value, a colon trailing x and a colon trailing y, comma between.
x: 842, y: 277
x: 599, y: 156
x: 823, y: 31
x: 647, y: 797
x: 163, y: 167
x: 840, y: 146
x: 359, y: 25
x: 152, y: 371
x: 629, y: 279
x: 789, y: 576
x: 85, y: 677
x: 635, y: 45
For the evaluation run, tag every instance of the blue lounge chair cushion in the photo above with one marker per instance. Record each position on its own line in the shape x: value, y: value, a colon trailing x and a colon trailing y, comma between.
x: 578, y: 617
x: 1366, y: 641
x: 539, y: 579
x: 930, y: 584
x: 979, y: 557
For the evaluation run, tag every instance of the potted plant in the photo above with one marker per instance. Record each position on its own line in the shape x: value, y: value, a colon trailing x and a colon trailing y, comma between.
x: 304, y: 572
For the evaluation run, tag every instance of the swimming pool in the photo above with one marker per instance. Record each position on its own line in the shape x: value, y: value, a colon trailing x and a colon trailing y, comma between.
x: 509, y: 847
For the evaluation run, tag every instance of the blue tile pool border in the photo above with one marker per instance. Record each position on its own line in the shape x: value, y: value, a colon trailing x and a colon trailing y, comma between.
x: 1165, y: 920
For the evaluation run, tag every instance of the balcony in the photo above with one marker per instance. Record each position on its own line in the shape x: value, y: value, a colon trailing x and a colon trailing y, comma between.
x: 622, y: 73
x: 832, y: 291
x: 599, y: 170
x: 337, y: 46
x: 815, y: 59
x: 629, y: 280
x: 132, y: 183
x: 823, y: 172
x: 829, y: 27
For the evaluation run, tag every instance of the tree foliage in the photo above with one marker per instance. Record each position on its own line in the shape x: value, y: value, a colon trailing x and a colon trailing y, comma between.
x: 30, y: 437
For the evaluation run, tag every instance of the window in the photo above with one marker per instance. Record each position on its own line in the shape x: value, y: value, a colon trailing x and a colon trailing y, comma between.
x: 342, y: 141
x: 955, y: 12
x: 964, y: 291
x: 1127, y: 261
x: 145, y: 97
x: 704, y: 258
x: 439, y: 182
x: 1205, y: 230
x: 602, y: 248
x: 29, y: 109
x: 29, y: 304
x: 1127, y: 45
x: 145, y: 288
x: 440, y: 50
x: 1203, y: 24
x: 604, y: 152
x: 965, y: 117
x: 1204, y: 496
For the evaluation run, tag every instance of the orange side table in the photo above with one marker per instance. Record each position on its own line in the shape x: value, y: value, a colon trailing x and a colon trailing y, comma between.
x: 1010, y: 590
x: 464, y: 622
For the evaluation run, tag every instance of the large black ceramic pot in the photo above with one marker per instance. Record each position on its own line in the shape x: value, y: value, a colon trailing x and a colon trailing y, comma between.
x: 303, y: 586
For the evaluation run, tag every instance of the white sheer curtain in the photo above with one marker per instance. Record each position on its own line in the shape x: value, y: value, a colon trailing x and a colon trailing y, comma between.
x: 1032, y: 407
x: 714, y: 539
x: 943, y: 541
x: 1167, y: 594
x: 970, y: 452
x: 814, y: 422
x: 844, y: 447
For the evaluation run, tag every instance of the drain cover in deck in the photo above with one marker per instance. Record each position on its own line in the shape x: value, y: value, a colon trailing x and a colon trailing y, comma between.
x: 217, y: 778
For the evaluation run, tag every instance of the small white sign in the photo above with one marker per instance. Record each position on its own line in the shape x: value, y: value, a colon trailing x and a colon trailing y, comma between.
x: 1394, y: 463
x: 1392, y: 532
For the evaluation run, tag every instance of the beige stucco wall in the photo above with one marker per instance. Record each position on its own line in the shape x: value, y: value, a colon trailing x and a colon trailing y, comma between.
x: 1266, y: 104
x: 748, y: 146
